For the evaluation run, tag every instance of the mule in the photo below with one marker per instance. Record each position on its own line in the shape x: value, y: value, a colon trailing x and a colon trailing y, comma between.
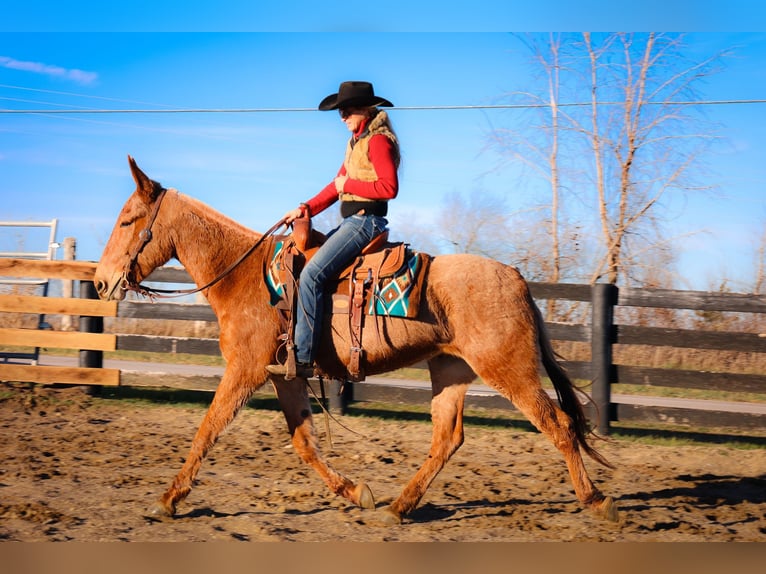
x: 476, y: 319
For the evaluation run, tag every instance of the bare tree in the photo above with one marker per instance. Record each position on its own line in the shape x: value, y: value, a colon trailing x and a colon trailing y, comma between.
x: 638, y: 128
x: 475, y: 224
x: 538, y: 149
x: 650, y: 136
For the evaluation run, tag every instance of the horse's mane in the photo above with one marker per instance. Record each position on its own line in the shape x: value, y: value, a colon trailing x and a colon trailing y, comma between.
x: 212, y: 217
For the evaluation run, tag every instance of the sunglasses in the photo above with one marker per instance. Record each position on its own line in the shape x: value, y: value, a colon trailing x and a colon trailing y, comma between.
x: 345, y: 112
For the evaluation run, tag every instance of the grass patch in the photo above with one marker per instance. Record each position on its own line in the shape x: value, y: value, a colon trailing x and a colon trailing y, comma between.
x: 408, y: 373
x: 686, y: 393
x: 177, y: 358
x: 671, y: 435
x: 141, y: 356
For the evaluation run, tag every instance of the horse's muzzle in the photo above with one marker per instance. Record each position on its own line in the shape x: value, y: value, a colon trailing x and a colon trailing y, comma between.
x: 112, y: 288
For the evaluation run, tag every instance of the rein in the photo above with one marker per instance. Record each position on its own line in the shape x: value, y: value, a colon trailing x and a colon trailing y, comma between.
x: 145, y: 236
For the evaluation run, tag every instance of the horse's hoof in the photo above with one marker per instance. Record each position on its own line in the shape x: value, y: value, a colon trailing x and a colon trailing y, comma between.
x: 159, y: 510
x: 364, y: 497
x: 390, y: 517
x: 607, y: 509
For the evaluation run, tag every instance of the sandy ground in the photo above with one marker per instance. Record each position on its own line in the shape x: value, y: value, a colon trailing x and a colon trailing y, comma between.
x: 79, y: 468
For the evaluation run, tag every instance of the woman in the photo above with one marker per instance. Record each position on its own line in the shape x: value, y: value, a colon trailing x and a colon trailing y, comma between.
x: 365, y: 183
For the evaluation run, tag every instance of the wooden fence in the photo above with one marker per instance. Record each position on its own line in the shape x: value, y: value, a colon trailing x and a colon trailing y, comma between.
x: 601, y: 333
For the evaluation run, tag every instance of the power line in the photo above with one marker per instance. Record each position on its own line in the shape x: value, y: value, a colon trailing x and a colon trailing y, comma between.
x: 168, y: 111
x: 402, y: 108
x: 79, y: 95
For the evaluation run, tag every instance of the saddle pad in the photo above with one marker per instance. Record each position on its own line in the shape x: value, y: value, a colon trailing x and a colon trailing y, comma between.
x: 274, y: 273
x: 397, y: 296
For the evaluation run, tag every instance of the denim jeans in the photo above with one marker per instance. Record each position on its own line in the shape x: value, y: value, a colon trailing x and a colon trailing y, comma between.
x: 343, y: 245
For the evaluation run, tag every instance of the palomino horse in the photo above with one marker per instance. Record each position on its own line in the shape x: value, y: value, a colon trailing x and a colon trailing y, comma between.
x: 476, y: 318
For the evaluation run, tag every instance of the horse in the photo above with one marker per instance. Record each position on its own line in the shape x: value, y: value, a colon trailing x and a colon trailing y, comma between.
x: 476, y: 318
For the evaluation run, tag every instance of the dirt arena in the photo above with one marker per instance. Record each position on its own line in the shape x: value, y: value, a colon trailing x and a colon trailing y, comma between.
x: 79, y: 468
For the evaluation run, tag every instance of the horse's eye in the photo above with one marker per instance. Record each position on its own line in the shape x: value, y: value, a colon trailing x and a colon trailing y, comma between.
x: 126, y: 223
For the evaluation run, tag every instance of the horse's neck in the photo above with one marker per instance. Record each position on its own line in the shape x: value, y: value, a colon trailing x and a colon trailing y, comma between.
x: 207, y: 242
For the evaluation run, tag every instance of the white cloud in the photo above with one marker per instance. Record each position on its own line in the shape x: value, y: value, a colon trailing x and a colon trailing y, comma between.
x: 75, y: 75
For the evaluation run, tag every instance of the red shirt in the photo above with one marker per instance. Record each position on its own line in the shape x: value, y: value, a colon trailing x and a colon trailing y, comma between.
x: 381, y: 155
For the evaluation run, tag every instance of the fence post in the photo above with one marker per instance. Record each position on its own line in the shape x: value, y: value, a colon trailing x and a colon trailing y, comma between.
x: 67, y: 285
x: 603, y: 300
x: 338, y: 396
x: 92, y: 359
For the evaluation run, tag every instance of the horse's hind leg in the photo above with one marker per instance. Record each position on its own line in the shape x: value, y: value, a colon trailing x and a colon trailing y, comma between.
x: 449, y: 377
x: 231, y: 395
x: 294, y: 401
x: 541, y: 410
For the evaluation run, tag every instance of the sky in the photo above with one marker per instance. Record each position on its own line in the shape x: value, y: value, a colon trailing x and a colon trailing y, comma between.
x: 253, y: 166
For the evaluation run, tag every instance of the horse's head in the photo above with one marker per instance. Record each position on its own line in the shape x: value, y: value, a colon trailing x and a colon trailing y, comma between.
x: 138, y: 243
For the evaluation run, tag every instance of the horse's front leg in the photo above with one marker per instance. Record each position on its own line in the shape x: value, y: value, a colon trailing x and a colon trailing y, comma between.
x: 294, y: 401
x: 233, y: 392
x: 447, y: 417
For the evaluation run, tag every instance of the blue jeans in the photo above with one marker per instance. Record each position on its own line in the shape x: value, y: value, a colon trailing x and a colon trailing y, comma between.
x: 343, y: 245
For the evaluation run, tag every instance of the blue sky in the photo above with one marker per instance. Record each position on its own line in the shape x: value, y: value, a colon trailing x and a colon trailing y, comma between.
x: 255, y: 166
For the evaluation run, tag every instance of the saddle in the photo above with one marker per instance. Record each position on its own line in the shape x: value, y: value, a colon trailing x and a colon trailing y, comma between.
x: 353, y: 292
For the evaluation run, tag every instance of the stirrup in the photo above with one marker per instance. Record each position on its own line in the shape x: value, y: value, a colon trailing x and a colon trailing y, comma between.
x: 301, y: 370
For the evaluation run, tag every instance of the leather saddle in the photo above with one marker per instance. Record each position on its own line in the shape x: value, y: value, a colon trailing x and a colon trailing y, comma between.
x: 380, y: 259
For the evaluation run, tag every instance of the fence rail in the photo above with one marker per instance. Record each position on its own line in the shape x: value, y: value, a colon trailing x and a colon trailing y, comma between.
x: 602, y: 334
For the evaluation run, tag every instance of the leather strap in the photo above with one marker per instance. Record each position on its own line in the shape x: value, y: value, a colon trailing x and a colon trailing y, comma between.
x: 144, y: 236
x: 357, y: 313
x: 293, y: 264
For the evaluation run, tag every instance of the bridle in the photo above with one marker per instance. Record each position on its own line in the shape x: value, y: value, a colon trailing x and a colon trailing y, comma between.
x: 144, y: 237
x: 128, y: 283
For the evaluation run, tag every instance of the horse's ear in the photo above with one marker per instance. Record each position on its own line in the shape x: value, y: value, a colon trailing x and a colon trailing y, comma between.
x: 145, y: 187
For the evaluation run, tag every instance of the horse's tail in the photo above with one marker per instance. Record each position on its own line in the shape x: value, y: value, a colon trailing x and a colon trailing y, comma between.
x: 566, y: 391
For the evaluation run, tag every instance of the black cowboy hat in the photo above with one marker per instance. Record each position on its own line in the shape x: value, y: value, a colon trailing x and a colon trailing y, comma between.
x: 353, y: 95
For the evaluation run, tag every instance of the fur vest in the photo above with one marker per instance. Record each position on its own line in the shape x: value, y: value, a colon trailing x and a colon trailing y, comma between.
x: 357, y: 162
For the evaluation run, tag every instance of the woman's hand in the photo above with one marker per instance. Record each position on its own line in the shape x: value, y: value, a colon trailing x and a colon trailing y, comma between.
x: 340, y: 181
x: 292, y: 215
